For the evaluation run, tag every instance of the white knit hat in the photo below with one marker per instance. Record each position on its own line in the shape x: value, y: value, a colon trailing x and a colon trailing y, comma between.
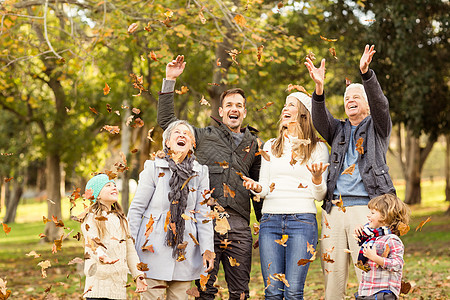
x: 303, y: 98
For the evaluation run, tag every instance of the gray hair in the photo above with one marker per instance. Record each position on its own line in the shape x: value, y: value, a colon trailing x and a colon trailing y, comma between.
x: 168, y: 132
x: 357, y: 86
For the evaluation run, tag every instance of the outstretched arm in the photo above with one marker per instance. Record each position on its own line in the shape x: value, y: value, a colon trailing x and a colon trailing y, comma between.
x: 166, y: 110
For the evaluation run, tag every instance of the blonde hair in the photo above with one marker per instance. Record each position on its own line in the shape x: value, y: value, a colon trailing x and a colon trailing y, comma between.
x: 98, y: 208
x: 304, y: 129
x: 393, y: 211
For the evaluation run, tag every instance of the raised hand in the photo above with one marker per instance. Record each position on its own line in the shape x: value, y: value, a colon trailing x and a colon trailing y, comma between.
x: 250, y: 184
x: 366, y: 58
x: 317, y: 74
x: 175, y: 68
x: 317, y: 171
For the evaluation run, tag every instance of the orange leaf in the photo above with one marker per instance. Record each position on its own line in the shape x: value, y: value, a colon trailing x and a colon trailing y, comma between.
x: 364, y: 267
x: 347, y: 83
x: 403, y: 228
x: 328, y: 40
x: 101, y: 218
x: 203, y: 101
x: 9, y: 179
x: 310, y: 248
x: 259, y: 53
x: 333, y: 52
x: 184, y: 90
x: 187, y: 181
x: 419, y: 227
x: 272, y: 187
x: 132, y: 28
x: 106, y: 90
x: 240, y: 20
x: 298, y: 88
x: 111, y: 129
x: 233, y: 262
x: 6, y: 229
x: 280, y: 277
x: 326, y: 258
x: 193, y: 291
x: 303, y: 261
x: 339, y: 203
x: 359, y: 146
x: 166, y: 222
x: 283, y: 240
x: 301, y: 186
x: 149, y: 226
x: 227, y: 191
x: 202, y: 17
x: 255, y: 228
x: 153, y: 55
x: 225, y: 243
x: 194, y: 239
x: 222, y: 226
x: 265, y: 106
x: 161, y: 174
x: 203, y: 280
x: 142, y: 267
x: 349, y: 170
x: 223, y: 164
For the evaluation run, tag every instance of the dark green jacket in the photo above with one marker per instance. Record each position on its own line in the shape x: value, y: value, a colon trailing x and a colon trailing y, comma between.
x: 215, y: 144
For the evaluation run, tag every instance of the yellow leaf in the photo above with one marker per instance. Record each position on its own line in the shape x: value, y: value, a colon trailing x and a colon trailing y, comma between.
x: 240, y: 20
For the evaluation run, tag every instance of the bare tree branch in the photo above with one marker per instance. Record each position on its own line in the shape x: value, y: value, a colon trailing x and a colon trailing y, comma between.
x: 45, y: 31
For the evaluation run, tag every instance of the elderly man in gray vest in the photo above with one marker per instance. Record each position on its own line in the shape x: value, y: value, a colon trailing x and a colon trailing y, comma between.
x: 358, y: 169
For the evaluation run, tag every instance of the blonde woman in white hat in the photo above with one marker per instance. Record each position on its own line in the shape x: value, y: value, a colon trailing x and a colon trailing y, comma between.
x: 289, y: 182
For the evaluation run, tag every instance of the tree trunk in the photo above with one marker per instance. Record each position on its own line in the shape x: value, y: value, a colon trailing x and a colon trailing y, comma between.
x: 413, y: 190
x: 125, y: 148
x: 447, y: 168
x: 13, y: 202
x: 54, y: 193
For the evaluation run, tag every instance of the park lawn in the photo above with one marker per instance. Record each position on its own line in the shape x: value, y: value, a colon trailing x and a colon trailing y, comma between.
x: 427, y: 261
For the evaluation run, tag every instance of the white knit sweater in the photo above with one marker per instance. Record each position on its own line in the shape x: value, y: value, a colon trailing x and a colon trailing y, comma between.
x: 108, y: 280
x: 287, y: 197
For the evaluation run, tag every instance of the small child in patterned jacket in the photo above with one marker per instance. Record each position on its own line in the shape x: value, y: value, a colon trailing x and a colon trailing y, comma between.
x: 381, y: 253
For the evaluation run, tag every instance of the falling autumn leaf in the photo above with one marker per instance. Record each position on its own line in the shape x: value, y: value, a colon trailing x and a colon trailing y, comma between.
x: 419, y: 227
x: 166, y: 222
x: 280, y: 5
x: 311, y: 56
x: 283, y: 240
x: 240, y: 20
x: 76, y: 260
x: 347, y: 82
x: 265, y: 106
x: 222, y: 226
x: 225, y: 244
x: 6, y: 229
x: 193, y: 291
x: 132, y: 28
x: 364, y: 267
x: 339, y: 203
x: 203, y: 101
x: 233, y: 53
x: 183, y: 90
x: 106, y: 90
x: 280, y: 277
x: 301, y: 186
x: 213, y: 83
x: 203, y: 280
x: 255, y: 228
x: 233, y: 262
x: 223, y: 164
x: 187, y: 181
x: 333, y: 52
x: 405, y: 287
x: 326, y: 258
x: 271, y: 187
x: 403, y: 228
x: 371, y: 20
x: 310, y: 248
x: 328, y: 40
x: 359, y: 146
x: 142, y: 267
x: 45, y: 264
x: 227, y: 191
x: 149, y: 226
x: 349, y: 170
x: 33, y: 253
x: 149, y: 136
x: 259, y: 52
x: 111, y: 129
x: 194, y: 239
x: 9, y: 179
x: 348, y: 251
x: 202, y: 17
x: 298, y: 88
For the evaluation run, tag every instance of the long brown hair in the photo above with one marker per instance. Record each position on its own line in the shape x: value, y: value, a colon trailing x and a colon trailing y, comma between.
x: 304, y: 129
x: 98, y: 208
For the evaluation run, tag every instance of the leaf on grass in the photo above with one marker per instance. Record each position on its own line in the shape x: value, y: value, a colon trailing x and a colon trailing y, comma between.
x: 349, y: 170
x: 233, y: 262
x: 142, y: 267
x: 419, y: 227
x: 403, y: 228
x: 283, y: 240
x: 227, y: 191
x: 6, y: 229
x: 33, y: 253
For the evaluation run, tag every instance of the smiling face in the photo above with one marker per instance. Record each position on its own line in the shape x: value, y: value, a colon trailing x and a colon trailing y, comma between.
x: 375, y: 219
x: 109, y: 194
x: 233, y: 111
x: 356, y: 107
x: 289, y: 113
x: 180, y: 140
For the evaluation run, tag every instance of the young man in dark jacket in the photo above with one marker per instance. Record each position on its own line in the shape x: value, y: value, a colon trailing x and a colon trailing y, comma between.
x: 361, y: 141
x: 237, y: 146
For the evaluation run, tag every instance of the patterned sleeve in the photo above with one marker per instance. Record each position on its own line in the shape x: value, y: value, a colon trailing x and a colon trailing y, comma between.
x: 394, y: 262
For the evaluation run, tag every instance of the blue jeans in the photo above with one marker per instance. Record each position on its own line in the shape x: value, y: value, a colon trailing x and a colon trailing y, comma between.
x: 283, y: 260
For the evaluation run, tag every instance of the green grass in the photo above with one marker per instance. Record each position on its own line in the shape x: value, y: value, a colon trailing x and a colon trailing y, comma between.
x: 427, y: 261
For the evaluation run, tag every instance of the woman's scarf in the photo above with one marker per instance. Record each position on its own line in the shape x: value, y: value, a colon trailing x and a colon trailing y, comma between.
x: 368, y: 237
x: 178, y: 200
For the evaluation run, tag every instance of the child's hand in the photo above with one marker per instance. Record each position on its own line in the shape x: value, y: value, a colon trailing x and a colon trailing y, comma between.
x: 370, y: 253
x: 107, y: 260
x: 141, y: 284
x: 358, y: 232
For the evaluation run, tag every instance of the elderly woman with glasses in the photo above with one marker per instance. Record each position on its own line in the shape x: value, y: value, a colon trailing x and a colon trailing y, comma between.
x: 168, y: 220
